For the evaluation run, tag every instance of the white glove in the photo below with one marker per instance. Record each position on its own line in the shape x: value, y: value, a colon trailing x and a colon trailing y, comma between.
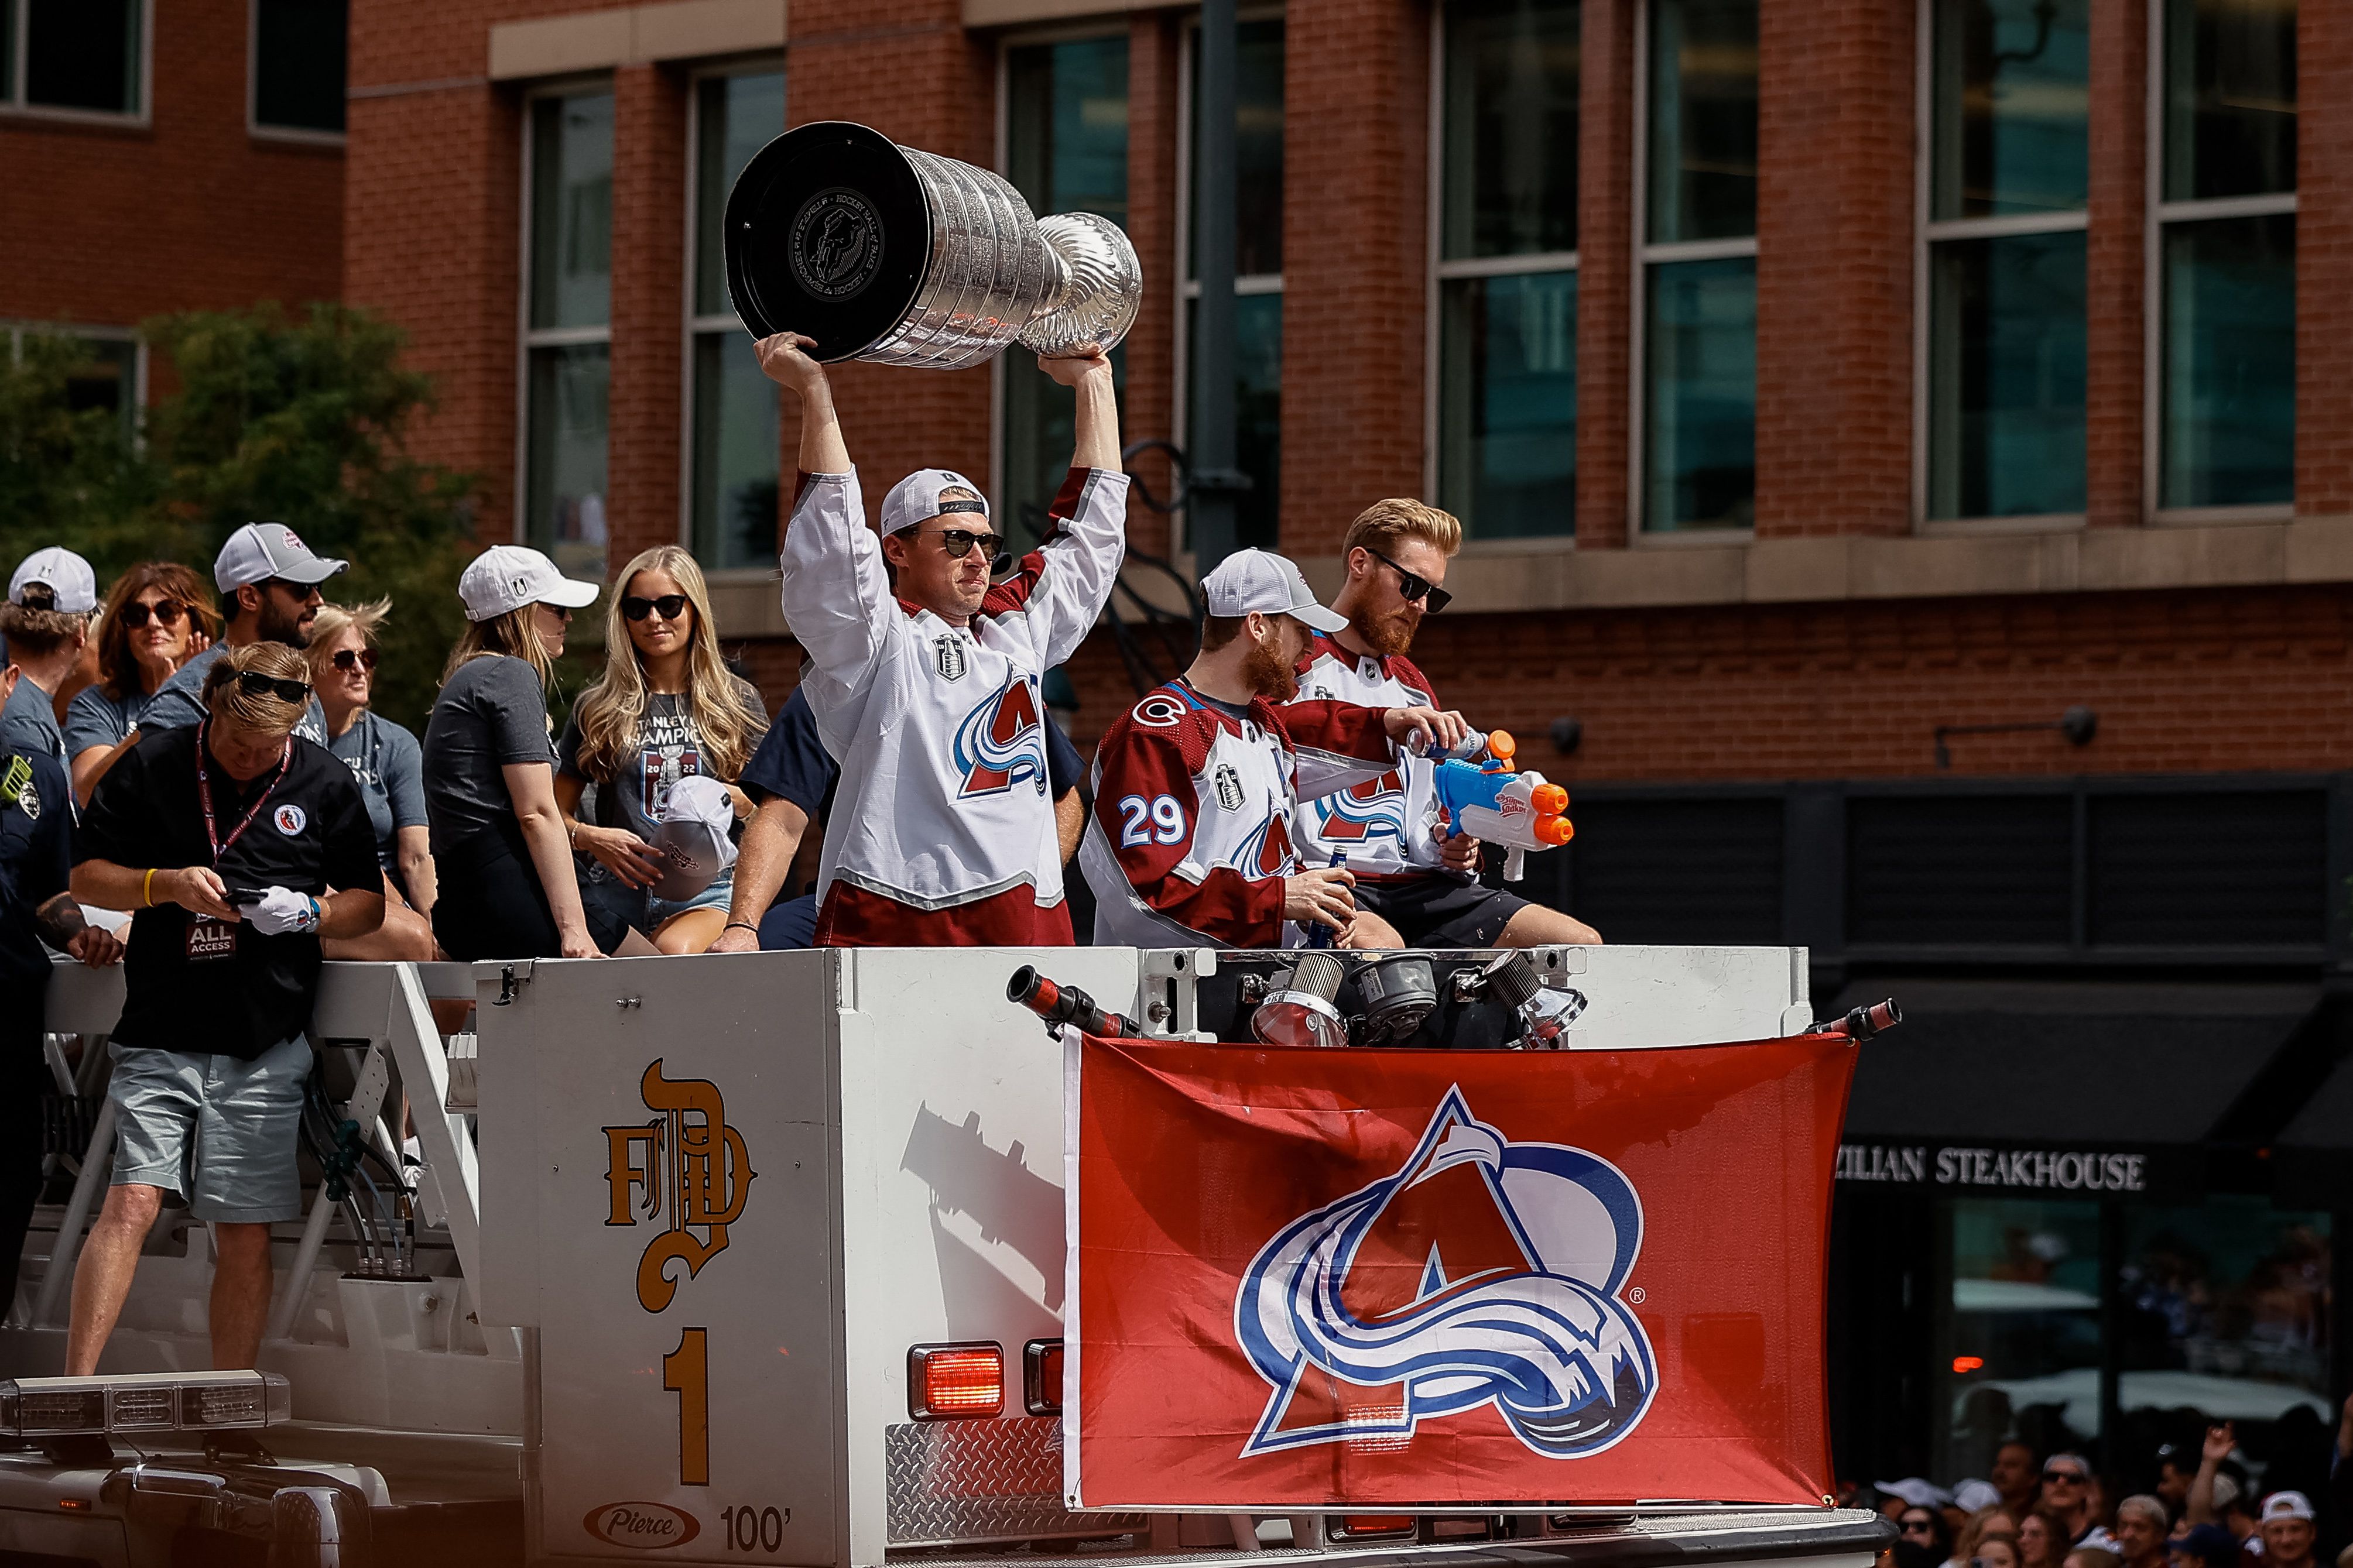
x: 282, y: 910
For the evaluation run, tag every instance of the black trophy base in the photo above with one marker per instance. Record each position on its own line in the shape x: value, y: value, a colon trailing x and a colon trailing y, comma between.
x: 828, y: 234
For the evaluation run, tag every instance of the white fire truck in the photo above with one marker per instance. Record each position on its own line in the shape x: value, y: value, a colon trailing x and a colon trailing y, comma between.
x: 732, y: 1259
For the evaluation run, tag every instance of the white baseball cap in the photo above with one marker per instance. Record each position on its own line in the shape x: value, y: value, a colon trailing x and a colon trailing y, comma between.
x: 916, y: 500
x: 66, y: 576
x: 1270, y: 584
x: 2285, y: 1505
x: 1972, y: 1495
x: 507, y: 576
x: 692, y: 837
x: 260, y: 550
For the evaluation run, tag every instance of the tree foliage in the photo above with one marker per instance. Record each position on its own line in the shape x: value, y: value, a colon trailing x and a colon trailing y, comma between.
x: 300, y: 418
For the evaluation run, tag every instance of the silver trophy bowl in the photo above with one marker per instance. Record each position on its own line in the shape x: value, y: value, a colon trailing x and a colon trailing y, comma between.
x: 894, y: 256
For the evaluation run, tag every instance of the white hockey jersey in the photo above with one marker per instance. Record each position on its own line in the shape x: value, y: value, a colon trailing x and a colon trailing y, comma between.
x: 1190, y: 836
x: 942, y: 830
x: 1382, y: 825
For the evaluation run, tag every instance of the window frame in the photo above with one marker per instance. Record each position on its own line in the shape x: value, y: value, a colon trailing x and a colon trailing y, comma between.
x: 12, y: 91
x: 1187, y: 288
x: 295, y: 135
x: 134, y: 415
x: 2156, y: 212
x: 693, y: 326
x: 1927, y: 233
x: 1001, y: 162
x: 528, y: 337
x: 1647, y: 255
x: 1440, y: 272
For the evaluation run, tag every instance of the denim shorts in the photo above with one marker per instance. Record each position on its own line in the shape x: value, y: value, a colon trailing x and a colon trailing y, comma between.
x: 217, y: 1131
x: 714, y: 897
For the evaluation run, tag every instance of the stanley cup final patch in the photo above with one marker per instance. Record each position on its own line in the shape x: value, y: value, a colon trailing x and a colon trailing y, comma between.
x: 950, y: 651
x: 1229, y: 786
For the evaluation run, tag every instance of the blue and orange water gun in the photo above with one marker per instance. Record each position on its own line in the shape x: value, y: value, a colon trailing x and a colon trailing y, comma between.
x: 1487, y: 800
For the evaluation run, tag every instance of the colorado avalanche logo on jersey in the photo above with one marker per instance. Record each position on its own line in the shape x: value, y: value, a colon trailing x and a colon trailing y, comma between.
x: 1374, y: 809
x: 1267, y: 852
x: 1000, y: 743
x: 1483, y: 1272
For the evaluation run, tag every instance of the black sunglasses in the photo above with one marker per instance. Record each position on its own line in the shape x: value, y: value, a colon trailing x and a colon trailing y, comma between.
x: 2070, y: 1477
x: 299, y: 590
x: 166, y: 612
x: 669, y: 606
x: 353, y: 658
x: 253, y: 683
x: 958, y: 543
x: 1411, y: 587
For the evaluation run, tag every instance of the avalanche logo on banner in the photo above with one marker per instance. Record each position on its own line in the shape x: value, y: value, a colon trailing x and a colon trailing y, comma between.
x: 1514, y: 1303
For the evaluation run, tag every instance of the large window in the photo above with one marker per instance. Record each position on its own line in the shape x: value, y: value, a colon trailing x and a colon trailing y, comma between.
x: 2225, y: 319
x: 298, y: 65
x: 2008, y: 177
x: 1258, y: 268
x: 1066, y: 150
x: 1506, y: 403
x: 567, y: 336
x: 86, y: 56
x: 731, y: 437
x: 1698, y: 411
x: 111, y: 378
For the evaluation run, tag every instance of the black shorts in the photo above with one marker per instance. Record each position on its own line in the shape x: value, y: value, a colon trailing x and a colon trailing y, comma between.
x: 1438, y: 911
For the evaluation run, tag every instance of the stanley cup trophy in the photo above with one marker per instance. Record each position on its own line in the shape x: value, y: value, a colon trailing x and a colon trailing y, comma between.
x: 886, y: 254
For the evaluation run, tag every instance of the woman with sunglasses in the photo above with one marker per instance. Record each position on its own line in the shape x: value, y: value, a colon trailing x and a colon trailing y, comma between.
x: 507, y: 888
x: 383, y: 757
x: 158, y: 616
x: 666, y: 707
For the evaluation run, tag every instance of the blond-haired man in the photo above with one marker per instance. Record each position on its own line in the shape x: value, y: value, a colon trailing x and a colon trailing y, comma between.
x: 1396, y: 552
x: 225, y: 837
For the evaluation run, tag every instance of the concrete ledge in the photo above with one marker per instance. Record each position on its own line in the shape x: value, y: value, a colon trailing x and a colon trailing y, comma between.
x: 634, y: 35
x: 1818, y: 571
x: 1012, y: 13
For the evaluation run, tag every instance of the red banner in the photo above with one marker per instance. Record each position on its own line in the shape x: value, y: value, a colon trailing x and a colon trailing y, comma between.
x: 1303, y: 1279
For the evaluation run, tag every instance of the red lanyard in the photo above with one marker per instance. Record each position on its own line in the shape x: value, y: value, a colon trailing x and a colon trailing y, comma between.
x: 205, y: 792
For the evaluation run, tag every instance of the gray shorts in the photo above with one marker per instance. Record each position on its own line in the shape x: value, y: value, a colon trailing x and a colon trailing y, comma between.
x: 217, y: 1131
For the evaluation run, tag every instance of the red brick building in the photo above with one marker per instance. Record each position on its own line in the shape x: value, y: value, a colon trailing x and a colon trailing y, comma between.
x: 157, y: 158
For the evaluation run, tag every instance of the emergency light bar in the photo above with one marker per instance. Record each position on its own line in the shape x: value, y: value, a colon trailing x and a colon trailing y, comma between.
x: 143, y: 1401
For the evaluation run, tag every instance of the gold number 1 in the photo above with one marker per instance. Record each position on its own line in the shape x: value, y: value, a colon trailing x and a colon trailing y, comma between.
x: 686, y: 1372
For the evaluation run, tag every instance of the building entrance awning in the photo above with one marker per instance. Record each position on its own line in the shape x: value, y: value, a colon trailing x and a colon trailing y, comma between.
x: 2062, y: 1088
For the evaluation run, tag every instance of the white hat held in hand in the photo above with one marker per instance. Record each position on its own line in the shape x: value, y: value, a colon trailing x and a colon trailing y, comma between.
x: 1270, y: 584
x: 692, y: 837
x: 507, y: 576
x: 260, y: 550
x: 66, y: 576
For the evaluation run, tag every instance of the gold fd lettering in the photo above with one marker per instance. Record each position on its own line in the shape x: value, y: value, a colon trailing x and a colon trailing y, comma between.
x: 687, y: 1170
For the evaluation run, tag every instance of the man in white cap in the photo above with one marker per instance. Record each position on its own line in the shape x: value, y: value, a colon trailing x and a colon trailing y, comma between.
x: 268, y: 581
x: 924, y: 676
x: 46, y: 622
x: 2286, y: 1524
x: 1195, y: 785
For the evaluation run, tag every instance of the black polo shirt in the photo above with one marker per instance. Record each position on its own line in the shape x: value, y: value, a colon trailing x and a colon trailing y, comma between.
x: 200, y: 985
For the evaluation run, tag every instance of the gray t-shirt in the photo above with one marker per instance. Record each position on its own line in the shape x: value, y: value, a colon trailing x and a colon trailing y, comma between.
x: 29, y: 725
x: 180, y: 701
x: 669, y: 747
x: 94, y: 719
x: 491, y: 712
x: 390, y: 767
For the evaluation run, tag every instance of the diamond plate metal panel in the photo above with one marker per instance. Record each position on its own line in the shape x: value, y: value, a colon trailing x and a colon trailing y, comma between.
x: 952, y: 1482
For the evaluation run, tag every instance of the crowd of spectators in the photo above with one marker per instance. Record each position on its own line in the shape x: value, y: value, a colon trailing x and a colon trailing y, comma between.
x: 2205, y: 1505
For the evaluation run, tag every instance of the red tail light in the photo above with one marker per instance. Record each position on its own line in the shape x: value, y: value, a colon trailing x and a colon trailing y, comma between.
x: 1370, y: 1526
x: 1042, y: 1376
x: 948, y: 1381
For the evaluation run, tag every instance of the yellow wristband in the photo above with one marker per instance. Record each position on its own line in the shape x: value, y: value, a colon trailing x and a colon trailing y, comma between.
x: 147, y: 888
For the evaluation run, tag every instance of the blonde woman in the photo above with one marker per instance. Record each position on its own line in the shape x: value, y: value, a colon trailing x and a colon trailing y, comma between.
x: 390, y: 767
x: 666, y: 707
x: 507, y: 890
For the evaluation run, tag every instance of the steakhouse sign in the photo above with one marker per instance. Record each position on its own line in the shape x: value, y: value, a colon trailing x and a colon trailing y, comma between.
x: 2043, y: 1170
